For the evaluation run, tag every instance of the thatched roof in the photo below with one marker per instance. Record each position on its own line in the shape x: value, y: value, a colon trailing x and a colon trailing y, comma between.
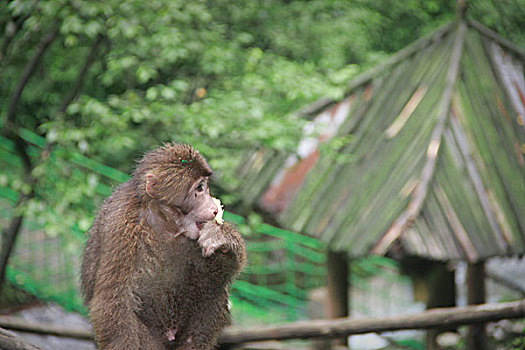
x: 433, y: 160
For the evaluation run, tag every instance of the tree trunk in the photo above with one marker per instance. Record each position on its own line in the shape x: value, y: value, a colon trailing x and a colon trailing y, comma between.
x: 10, y: 234
x: 8, y: 242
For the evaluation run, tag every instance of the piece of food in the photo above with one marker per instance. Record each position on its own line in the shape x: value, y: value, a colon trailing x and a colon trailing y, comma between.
x: 218, y: 218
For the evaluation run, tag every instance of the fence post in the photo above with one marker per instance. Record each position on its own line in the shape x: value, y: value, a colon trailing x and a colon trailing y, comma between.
x: 476, y: 337
x: 441, y: 286
x: 338, y: 274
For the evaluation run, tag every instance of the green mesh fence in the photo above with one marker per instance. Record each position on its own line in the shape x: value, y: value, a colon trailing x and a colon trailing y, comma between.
x: 282, y: 266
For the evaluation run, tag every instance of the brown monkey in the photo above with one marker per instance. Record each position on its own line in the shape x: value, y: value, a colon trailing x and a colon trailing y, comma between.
x: 135, y: 261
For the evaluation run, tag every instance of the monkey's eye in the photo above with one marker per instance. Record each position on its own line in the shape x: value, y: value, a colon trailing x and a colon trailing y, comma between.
x: 201, y: 187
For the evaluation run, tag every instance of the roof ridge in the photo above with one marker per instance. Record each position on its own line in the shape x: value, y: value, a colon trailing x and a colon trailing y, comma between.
x: 415, y: 204
x: 486, y: 31
x: 372, y: 72
x: 477, y: 182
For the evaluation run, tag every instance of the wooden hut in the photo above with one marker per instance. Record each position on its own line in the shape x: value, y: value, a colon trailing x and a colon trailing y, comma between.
x: 422, y: 159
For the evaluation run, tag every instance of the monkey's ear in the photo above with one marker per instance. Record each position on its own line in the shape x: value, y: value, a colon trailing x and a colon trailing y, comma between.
x: 150, y: 185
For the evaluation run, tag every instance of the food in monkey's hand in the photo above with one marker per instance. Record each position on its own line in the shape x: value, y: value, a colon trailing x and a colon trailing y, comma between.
x: 218, y: 218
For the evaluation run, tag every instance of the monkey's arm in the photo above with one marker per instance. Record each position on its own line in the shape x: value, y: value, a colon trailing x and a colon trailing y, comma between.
x: 90, y: 265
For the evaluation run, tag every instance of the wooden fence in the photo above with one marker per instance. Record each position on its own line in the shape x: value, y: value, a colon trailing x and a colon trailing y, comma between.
x: 342, y: 327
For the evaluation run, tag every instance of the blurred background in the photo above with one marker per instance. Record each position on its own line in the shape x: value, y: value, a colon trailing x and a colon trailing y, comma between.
x: 88, y: 86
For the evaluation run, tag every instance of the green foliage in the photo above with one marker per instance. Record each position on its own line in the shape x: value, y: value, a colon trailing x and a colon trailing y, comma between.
x: 405, y: 344
x: 518, y: 343
x: 505, y: 17
x: 217, y: 73
x: 514, y: 340
x: 223, y: 76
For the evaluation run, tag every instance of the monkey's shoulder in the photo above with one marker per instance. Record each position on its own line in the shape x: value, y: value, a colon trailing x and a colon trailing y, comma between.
x: 122, y: 198
x: 115, y: 215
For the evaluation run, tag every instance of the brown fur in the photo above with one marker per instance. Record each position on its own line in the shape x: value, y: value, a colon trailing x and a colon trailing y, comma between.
x: 143, y: 279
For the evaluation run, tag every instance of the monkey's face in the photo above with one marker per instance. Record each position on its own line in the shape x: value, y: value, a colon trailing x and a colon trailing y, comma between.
x: 176, y: 178
x: 198, y: 208
x: 190, y: 205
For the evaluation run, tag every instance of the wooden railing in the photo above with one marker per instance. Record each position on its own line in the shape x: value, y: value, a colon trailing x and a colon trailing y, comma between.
x: 342, y: 327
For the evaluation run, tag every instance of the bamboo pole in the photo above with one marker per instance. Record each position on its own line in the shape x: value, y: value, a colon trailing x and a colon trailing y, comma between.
x: 478, y: 184
x: 497, y: 38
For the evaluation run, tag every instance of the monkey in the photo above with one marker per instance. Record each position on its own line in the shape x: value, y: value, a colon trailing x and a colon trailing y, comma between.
x: 152, y: 249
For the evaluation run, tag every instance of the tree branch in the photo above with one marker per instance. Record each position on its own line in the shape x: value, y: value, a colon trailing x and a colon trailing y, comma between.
x: 27, y: 73
x: 12, y: 28
x: 10, y: 234
x: 8, y: 239
x: 81, y: 77
x: 22, y: 325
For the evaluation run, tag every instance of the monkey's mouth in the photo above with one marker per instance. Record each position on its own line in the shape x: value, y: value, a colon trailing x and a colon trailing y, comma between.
x: 200, y: 224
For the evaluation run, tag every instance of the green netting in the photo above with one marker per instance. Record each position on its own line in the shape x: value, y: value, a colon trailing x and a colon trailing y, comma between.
x: 283, y: 267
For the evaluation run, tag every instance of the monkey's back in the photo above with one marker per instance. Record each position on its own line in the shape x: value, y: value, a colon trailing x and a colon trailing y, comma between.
x: 119, y: 208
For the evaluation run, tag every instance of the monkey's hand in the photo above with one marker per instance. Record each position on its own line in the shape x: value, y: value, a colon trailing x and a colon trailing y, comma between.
x: 227, y: 242
x: 212, y: 238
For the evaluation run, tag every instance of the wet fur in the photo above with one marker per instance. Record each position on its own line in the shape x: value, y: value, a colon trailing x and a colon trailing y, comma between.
x: 142, y: 277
